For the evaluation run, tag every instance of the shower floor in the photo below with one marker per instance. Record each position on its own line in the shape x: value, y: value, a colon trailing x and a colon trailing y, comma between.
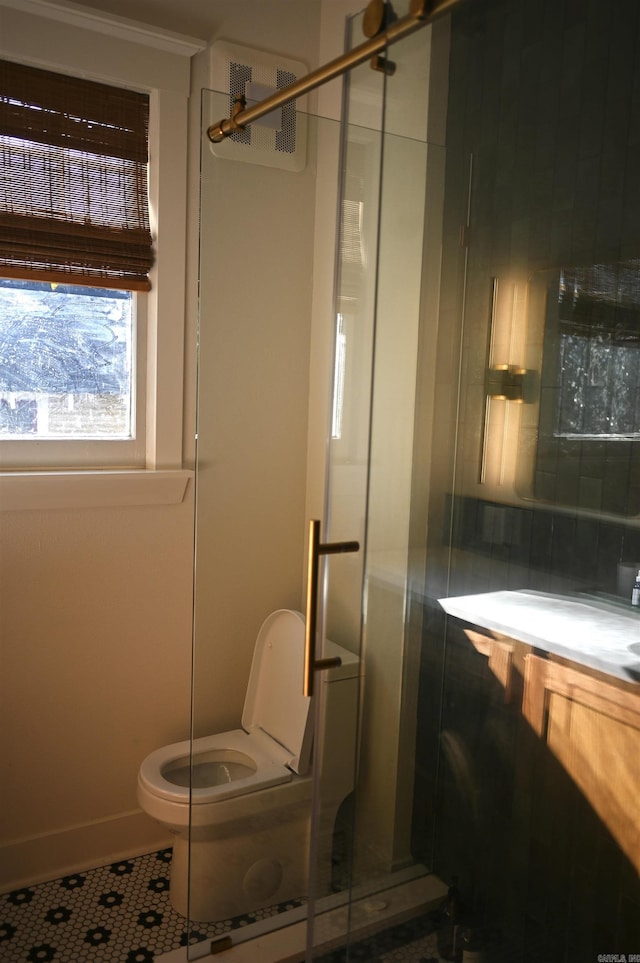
x: 114, y: 914
x: 412, y: 942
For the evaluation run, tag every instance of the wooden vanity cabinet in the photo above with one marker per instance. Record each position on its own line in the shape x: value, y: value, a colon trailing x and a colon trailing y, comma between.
x: 590, y: 721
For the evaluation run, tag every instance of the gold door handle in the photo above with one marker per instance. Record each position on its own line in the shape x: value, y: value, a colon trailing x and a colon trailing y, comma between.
x: 316, y: 549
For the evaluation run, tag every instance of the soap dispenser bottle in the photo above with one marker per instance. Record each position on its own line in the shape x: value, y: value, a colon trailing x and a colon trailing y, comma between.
x: 635, y: 591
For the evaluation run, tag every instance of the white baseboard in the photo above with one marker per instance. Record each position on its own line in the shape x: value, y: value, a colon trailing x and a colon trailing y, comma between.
x: 37, y: 859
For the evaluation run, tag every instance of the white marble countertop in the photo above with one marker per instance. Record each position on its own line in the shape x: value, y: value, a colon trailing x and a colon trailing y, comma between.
x: 602, y: 634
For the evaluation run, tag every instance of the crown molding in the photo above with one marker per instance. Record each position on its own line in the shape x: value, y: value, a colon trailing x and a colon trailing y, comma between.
x: 77, y: 15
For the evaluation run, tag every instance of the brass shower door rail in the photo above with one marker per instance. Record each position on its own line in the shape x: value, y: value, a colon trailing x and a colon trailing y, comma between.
x: 420, y: 14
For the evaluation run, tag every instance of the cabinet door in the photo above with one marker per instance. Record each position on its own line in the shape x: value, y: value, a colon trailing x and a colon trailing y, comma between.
x: 592, y: 726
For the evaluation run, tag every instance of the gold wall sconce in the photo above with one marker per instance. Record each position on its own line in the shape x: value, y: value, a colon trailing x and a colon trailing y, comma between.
x: 504, y: 381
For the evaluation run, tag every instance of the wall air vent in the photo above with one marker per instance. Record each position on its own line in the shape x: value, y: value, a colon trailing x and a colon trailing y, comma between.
x: 280, y: 138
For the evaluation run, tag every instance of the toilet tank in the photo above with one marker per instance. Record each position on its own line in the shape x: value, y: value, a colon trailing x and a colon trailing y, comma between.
x: 337, y: 691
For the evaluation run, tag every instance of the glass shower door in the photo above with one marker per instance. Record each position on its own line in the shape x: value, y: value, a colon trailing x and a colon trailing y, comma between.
x: 268, y: 248
x: 382, y: 444
x: 282, y: 440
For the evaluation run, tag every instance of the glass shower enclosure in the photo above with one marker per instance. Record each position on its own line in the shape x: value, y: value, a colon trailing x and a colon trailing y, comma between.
x: 313, y: 302
x: 453, y: 383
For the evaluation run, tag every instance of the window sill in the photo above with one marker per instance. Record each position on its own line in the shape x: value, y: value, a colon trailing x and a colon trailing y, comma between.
x: 45, y: 490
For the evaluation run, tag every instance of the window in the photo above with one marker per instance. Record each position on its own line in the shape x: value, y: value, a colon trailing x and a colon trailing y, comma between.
x: 66, y: 361
x: 587, y: 448
x: 73, y: 42
x: 75, y: 247
x: 598, y: 352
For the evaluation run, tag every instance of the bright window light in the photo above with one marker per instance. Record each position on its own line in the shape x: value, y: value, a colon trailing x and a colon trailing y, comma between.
x: 67, y: 366
x: 338, y: 379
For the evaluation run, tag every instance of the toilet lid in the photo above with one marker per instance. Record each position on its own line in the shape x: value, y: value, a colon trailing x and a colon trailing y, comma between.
x: 274, y: 701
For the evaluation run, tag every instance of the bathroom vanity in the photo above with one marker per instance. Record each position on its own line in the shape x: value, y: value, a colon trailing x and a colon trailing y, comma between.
x: 572, y: 665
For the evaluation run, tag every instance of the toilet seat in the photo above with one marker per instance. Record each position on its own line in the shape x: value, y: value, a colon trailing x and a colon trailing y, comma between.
x: 247, y: 749
x: 275, y: 742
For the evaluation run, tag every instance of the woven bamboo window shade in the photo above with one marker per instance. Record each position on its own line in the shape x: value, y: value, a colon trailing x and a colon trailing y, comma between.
x: 73, y: 180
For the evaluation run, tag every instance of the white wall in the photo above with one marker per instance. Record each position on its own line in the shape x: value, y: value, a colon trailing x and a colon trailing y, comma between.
x: 95, y: 628
x: 96, y: 602
x: 95, y: 571
x: 255, y: 306
x: 95, y: 619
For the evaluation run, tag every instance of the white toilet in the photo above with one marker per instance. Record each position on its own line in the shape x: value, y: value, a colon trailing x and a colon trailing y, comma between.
x: 242, y: 827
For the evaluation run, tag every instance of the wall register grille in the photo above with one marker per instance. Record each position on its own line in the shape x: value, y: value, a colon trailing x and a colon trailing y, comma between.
x: 279, y: 138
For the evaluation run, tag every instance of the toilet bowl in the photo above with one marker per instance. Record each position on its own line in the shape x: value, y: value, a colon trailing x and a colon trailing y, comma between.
x: 239, y: 803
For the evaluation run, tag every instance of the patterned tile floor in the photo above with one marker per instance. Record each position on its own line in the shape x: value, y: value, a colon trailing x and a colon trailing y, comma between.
x: 121, y: 914
x: 115, y: 914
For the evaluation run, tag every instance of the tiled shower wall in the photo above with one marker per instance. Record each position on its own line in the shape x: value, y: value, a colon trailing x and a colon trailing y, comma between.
x: 510, y: 547
x: 545, y: 97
